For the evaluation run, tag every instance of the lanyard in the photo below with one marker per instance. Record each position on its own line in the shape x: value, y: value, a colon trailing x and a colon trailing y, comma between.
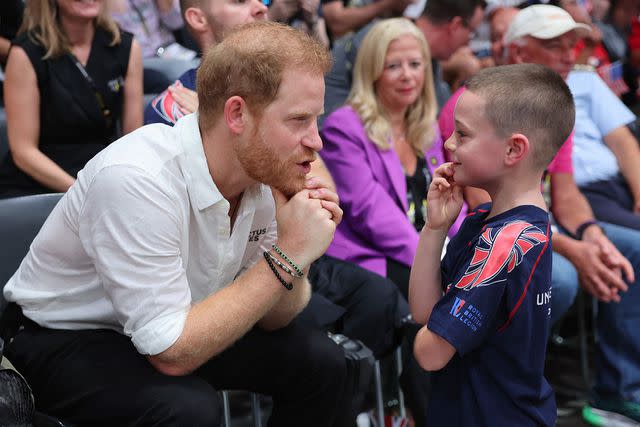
x: 106, y: 113
x: 141, y: 17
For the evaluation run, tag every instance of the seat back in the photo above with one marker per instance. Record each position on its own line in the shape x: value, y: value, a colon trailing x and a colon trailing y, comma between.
x: 20, y: 220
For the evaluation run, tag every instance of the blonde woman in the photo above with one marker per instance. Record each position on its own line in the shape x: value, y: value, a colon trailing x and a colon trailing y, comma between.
x: 71, y: 76
x: 381, y: 148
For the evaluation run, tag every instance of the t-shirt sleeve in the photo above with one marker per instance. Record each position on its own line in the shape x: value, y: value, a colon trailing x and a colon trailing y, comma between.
x: 607, y: 110
x: 562, y: 163
x: 500, y: 263
x: 164, y: 108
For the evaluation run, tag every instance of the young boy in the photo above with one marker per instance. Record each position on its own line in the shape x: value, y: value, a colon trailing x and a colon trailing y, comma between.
x: 486, y: 336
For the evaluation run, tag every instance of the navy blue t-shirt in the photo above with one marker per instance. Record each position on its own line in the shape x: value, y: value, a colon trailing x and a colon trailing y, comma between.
x: 163, y: 108
x: 495, y: 312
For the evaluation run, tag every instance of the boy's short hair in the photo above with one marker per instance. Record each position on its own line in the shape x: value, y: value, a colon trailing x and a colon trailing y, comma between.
x: 530, y: 99
x: 250, y: 63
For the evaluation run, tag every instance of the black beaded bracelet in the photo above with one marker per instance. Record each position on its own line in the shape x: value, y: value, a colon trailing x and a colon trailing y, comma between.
x: 288, y: 260
x: 287, y: 285
x: 284, y: 267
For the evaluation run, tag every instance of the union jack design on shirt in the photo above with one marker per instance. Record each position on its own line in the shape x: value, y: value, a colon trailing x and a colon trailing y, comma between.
x: 498, y: 249
x: 166, y: 106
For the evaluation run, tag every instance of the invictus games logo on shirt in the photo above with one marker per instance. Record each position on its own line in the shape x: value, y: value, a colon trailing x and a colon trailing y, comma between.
x: 254, y: 235
x: 456, y: 308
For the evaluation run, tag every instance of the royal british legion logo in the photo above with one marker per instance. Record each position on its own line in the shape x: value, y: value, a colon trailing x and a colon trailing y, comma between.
x: 456, y: 308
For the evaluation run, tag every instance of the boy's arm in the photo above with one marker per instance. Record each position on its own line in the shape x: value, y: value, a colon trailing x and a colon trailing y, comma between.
x: 425, y: 284
x: 425, y: 289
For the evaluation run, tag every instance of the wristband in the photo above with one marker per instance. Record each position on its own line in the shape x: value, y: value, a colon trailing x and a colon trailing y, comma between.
x: 284, y: 267
x: 583, y: 227
x: 286, y: 284
x: 288, y: 260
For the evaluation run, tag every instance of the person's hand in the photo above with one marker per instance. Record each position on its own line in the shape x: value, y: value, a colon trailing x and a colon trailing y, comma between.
x: 310, y: 11
x: 321, y: 190
x: 306, y: 225
x: 636, y: 206
x: 609, y: 254
x: 283, y: 10
x: 186, y: 99
x: 444, y: 198
x: 398, y: 6
x: 593, y: 37
x: 596, y: 272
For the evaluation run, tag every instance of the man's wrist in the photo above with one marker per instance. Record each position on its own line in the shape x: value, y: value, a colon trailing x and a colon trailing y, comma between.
x: 589, y: 230
x: 296, y: 256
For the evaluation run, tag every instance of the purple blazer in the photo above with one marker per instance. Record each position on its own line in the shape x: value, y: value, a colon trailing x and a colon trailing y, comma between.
x: 373, y: 194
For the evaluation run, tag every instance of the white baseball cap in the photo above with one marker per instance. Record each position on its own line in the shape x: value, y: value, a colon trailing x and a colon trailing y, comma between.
x: 542, y: 21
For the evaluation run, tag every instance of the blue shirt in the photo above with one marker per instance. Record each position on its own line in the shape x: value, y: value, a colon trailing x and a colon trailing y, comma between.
x: 496, y: 313
x: 598, y: 112
x: 163, y: 108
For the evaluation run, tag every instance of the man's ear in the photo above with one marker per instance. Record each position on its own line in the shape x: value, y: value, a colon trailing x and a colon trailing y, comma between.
x: 455, y: 24
x: 515, y: 53
x: 236, y: 114
x: 195, y: 18
x: 517, y: 148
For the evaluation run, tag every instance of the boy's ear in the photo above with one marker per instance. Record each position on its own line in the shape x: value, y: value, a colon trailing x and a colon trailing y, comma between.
x: 236, y: 114
x: 517, y: 148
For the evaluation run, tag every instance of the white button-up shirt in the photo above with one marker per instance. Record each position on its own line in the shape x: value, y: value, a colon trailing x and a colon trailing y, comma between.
x: 141, y: 235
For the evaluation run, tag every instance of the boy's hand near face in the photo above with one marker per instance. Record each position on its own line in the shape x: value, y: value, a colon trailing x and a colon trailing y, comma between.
x: 444, y: 199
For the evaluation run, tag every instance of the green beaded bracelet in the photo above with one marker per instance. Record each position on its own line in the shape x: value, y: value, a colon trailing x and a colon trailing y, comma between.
x: 288, y: 260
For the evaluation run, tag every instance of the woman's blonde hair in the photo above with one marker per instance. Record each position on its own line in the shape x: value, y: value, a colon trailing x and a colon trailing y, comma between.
x: 41, y: 24
x: 368, y: 68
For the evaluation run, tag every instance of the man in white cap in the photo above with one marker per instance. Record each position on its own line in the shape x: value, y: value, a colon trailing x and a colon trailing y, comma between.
x: 603, y: 149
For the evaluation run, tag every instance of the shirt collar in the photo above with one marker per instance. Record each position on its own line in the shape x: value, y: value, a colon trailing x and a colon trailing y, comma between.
x: 202, y: 190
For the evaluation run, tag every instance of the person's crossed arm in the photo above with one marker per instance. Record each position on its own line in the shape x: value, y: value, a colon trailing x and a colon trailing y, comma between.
x: 627, y: 151
x: 599, y: 264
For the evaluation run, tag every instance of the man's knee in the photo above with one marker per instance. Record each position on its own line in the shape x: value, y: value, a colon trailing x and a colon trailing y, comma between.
x: 319, y: 359
x: 184, y: 401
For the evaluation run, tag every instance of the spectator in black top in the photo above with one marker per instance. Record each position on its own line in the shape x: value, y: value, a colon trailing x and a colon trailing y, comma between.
x: 71, y: 76
x: 11, y: 12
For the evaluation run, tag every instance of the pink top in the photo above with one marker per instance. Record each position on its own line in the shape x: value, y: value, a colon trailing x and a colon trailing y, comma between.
x: 561, y: 163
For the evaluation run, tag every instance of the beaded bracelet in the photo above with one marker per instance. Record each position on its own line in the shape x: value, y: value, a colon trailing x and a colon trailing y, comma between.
x: 286, y: 258
x: 284, y: 267
x: 287, y: 285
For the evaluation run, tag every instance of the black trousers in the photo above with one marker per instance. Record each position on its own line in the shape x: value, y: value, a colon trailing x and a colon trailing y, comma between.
x: 415, y: 381
x: 356, y: 302
x: 97, y: 378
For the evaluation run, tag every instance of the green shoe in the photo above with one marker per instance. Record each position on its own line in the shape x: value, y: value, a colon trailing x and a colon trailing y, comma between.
x: 612, y: 413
